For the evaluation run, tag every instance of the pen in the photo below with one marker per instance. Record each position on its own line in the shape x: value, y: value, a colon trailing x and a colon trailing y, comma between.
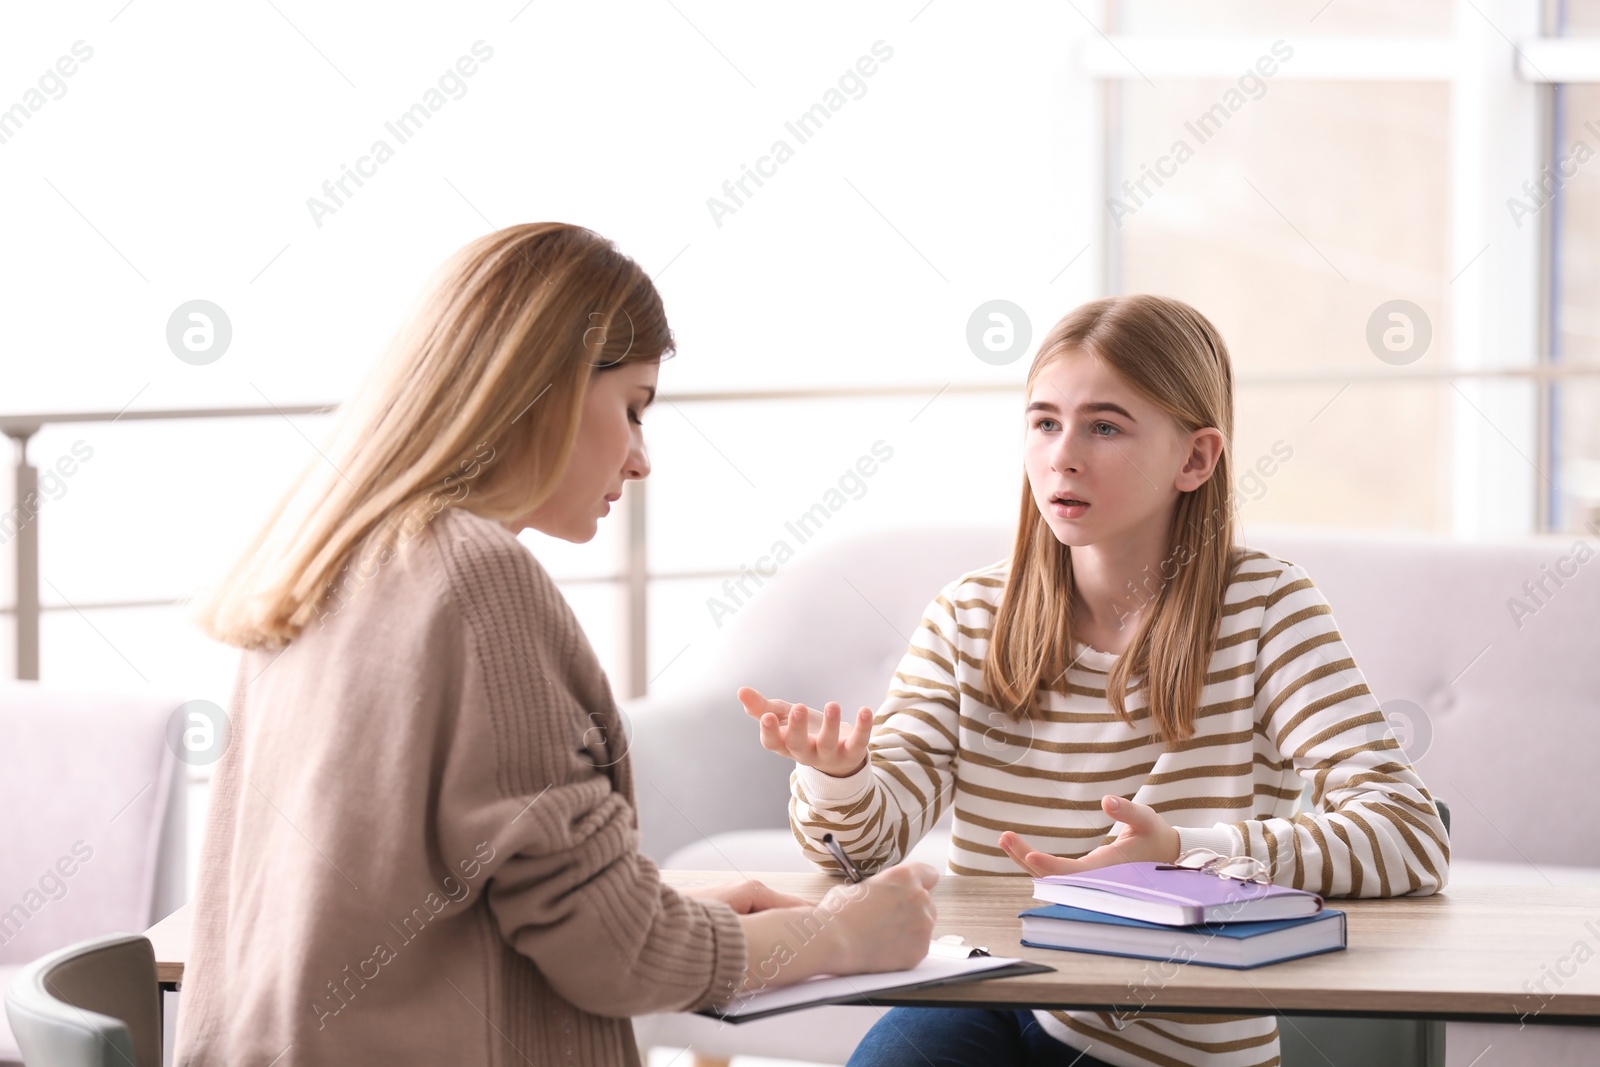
x: 851, y: 871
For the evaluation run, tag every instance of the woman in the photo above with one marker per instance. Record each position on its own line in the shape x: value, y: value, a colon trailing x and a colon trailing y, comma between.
x: 421, y: 844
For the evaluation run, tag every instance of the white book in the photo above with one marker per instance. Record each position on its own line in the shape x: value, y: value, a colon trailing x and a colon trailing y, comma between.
x: 1162, y: 893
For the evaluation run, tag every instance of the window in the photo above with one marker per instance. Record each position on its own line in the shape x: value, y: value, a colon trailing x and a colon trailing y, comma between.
x: 1372, y: 154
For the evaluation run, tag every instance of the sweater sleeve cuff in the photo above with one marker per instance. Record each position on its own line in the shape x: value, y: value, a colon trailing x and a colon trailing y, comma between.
x: 729, y: 956
x: 1222, y: 839
x: 830, y: 790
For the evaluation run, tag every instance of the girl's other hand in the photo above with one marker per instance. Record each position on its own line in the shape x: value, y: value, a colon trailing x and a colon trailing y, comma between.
x: 1145, y: 836
x: 807, y: 736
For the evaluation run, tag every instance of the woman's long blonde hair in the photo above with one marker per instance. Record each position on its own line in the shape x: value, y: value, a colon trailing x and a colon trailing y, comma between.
x: 475, y: 404
x: 1171, y: 354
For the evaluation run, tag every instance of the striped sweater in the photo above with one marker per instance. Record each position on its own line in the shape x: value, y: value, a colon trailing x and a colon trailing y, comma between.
x: 1284, y: 703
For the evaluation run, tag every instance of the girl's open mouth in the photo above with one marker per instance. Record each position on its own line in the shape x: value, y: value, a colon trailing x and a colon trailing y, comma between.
x: 1068, y: 507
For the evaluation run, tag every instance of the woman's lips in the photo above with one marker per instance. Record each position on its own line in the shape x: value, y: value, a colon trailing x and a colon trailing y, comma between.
x: 1068, y: 511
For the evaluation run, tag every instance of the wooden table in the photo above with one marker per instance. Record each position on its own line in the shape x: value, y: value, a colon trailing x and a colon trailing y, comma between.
x: 1463, y: 954
x: 170, y: 939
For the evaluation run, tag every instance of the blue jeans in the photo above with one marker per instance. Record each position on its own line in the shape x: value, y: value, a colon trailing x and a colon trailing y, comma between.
x: 963, y: 1037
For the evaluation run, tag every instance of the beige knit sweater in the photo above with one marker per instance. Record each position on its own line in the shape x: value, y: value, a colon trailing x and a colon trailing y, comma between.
x: 421, y: 844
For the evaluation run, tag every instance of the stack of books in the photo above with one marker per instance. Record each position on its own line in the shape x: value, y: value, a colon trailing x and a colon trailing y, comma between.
x: 1160, y: 912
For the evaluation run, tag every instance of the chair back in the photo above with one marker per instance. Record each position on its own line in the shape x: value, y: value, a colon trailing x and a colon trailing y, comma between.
x: 93, y: 1004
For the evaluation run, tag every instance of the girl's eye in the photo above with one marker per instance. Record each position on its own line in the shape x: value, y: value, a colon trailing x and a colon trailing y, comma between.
x: 635, y: 417
x: 1042, y: 424
x: 1095, y: 429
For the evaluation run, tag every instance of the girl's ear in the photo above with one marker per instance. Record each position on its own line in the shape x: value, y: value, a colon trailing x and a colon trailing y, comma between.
x: 1205, y: 449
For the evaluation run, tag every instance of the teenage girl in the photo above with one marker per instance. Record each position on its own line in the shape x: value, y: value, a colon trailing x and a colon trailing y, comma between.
x: 1129, y: 685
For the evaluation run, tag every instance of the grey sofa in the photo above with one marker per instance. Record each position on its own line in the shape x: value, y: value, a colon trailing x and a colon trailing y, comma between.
x: 93, y: 841
x: 1499, y: 709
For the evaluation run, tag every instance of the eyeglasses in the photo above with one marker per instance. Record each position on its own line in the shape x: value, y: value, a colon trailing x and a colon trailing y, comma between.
x: 1207, y: 861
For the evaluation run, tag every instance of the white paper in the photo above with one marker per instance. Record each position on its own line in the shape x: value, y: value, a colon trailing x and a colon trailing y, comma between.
x: 825, y: 987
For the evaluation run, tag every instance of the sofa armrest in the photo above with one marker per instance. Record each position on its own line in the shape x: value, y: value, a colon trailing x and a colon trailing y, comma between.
x: 699, y: 769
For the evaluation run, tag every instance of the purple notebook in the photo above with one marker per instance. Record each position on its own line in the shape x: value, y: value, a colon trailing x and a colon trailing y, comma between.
x: 1174, y: 897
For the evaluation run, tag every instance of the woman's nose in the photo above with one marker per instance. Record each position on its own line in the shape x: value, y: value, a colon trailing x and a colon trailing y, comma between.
x: 638, y: 464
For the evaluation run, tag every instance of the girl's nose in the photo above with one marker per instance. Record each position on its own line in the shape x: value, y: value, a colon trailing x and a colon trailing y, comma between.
x: 1065, y: 459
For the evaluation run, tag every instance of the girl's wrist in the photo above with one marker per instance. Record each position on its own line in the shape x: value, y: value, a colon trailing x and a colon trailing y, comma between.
x: 849, y: 774
x: 1221, y: 839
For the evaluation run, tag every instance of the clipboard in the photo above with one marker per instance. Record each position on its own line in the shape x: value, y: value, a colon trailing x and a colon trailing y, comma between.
x: 865, y: 989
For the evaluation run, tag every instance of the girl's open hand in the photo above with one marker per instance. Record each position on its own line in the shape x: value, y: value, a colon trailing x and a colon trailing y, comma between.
x: 810, y: 737
x: 1145, y: 836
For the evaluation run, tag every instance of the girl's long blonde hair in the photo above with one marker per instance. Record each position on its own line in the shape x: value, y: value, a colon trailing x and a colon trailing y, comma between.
x: 1170, y: 353
x: 475, y: 404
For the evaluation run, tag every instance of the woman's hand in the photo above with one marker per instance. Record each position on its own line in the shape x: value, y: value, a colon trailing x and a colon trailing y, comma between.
x: 746, y: 897
x: 884, y: 923
x: 1145, y: 836
x: 787, y: 729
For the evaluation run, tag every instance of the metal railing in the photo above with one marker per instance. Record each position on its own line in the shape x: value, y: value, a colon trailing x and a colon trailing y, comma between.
x: 26, y: 503
x: 635, y: 576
